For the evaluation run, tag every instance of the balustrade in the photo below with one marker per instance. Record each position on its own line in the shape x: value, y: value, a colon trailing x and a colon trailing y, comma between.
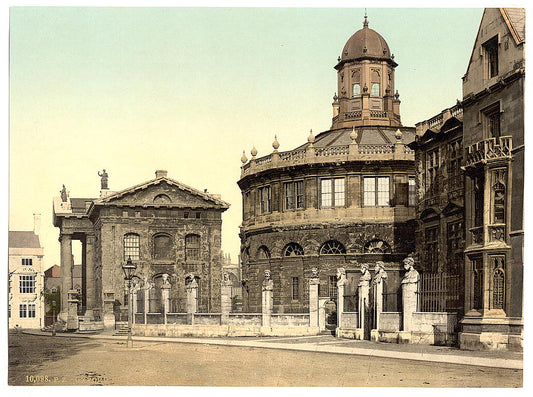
x: 489, y: 149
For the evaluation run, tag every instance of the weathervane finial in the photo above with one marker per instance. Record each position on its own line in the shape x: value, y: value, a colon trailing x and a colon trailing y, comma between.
x: 365, y: 23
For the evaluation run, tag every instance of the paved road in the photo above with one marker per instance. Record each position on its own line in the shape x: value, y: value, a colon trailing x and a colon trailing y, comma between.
x: 43, y: 360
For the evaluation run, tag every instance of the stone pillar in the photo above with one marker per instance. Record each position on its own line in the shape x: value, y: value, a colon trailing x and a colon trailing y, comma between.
x: 147, y: 287
x: 379, y: 276
x: 341, y: 282
x: 314, y: 282
x: 134, y: 304
x: 225, y: 298
x: 66, y: 273
x: 165, y: 297
x: 192, y: 298
x: 267, y: 300
x: 363, y: 305
x: 72, y: 310
x: 109, y: 315
x: 89, y: 266
x: 410, y: 284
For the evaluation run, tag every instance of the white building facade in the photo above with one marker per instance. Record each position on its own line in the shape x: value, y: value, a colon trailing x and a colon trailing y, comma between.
x: 26, y: 278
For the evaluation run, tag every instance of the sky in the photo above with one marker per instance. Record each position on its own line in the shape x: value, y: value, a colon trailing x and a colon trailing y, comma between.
x: 133, y: 90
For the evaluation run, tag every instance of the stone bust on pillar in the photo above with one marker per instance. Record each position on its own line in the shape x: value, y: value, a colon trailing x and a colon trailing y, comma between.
x: 379, y: 273
x: 166, y: 282
x: 364, y: 279
x: 341, y: 276
x: 268, y: 283
x: 191, y: 282
x: 411, y: 275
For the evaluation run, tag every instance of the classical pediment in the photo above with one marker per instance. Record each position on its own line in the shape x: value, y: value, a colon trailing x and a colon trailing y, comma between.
x: 163, y: 192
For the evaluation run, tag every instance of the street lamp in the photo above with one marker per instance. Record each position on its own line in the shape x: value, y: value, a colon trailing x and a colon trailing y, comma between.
x: 129, y: 272
x: 54, y: 317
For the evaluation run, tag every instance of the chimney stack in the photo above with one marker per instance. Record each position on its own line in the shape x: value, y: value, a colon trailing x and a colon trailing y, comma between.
x: 161, y: 173
x: 37, y: 224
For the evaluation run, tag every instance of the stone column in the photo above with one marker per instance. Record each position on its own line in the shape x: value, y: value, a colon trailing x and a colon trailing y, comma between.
x: 165, y: 296
x: 341, y: 282
x: 72, y: 310
x: 363, y: 305
x: 66, y: 273
x: 379, y: 276
x: 410, y: 284
x: 89, y: 266
x: 192, y: 298
x: 267, y: 300
x: 109, y: 315
x: 225, y: 298
x: 134, y: 304
x: 314, y: 282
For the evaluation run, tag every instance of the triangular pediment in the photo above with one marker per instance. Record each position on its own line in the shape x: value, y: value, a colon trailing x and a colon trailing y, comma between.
x: 163, y: 192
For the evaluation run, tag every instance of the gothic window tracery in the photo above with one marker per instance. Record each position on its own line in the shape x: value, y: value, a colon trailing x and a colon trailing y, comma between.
x: 498, y: 282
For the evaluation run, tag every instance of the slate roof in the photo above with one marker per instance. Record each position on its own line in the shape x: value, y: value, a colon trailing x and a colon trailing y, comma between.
x: 78, y: 205
x: 23, y: 240
x: 371, y: 135
x: 516, y: 21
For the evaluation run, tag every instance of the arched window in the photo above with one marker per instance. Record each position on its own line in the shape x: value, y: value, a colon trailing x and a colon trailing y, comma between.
x: 162, y: 246
x: 293, y: 249
x: 374, y: 91
x: 498, y: 282
x: 377, y: 247
x: 192, y: 247
x: 131, y: 246
x: 263, y: 253
x: 332, y: 247
x: 356, y: 89
x: 161, y: 199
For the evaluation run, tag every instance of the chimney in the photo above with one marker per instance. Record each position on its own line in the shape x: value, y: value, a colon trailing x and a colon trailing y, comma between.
x: 37, y: 224
x: 161, y: 174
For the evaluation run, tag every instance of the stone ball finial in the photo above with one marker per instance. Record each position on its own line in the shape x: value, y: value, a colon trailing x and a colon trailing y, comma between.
x: 398, y: 134
x: 353, y: 135
x: 253, y: 152
x: 244, y: 159
x: 311, y: 137
x: 275, y: 144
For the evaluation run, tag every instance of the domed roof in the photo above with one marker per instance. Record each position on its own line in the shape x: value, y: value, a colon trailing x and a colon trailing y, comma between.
x: 366, y: 43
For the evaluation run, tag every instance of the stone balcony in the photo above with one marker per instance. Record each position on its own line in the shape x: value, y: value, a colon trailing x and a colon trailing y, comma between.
x: 487, y: 150
x: 330, y: 154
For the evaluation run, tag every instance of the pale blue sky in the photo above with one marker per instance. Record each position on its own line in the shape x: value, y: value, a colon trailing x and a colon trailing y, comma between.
x: 133, y: 90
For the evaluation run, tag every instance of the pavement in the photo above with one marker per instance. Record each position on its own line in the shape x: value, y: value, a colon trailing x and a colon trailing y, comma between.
x: 330, y: 344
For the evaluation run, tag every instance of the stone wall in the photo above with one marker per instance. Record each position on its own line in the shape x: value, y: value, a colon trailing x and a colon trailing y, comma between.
x: 175, y: 330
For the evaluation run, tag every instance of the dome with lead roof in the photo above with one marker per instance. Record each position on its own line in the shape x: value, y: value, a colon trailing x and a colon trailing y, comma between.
x: 366, y: 43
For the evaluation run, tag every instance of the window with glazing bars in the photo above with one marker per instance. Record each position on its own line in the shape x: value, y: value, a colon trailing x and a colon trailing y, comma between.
x: 265, y: 199
x: 27, y: 284
x: 332, y: 192
x: 131, y: 246
x: 27, y: 262
x: 31, y: 310
x: 23, y: 311
x: 295, y: 288
x: 192, y: 247
x: 294, y: 197
x: 412, y: 192
x: 376, y: 191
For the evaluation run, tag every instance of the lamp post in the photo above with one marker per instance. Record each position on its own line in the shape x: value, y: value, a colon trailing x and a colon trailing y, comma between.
x: 129, y: 272
x: 54, y: 317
